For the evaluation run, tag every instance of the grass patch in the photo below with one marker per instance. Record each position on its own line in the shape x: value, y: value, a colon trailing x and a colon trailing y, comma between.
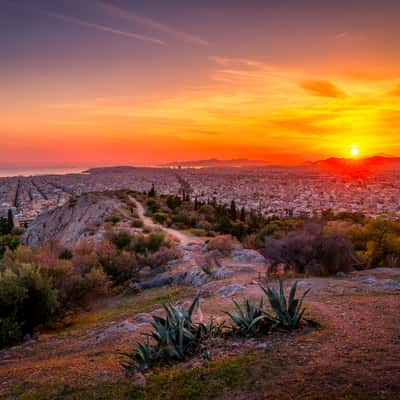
x: 102, y: 391
x: 125, y: 306
x: 206, y: 383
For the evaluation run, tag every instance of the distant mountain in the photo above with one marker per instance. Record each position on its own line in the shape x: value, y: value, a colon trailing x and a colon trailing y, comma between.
x: 117, y: 169
x: 214, y: 162
x: 358, y: 167
x: 375, y: 160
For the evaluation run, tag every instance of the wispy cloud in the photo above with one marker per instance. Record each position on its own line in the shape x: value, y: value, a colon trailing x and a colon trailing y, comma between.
x: 342, y: 35
x: 322, y: 89
x: 151, y: 23
x: 103, y: 28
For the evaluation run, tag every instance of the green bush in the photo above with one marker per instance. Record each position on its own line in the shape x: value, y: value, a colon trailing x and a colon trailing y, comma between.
x: 10, y: 332
x: 27, y: 299
x: 152, y: 206
x: 137, y: 223
x: 114, y: 219
x: 121, y: 239
x: 9, y: 241
x: 161, y: 218
x: 151, y: 243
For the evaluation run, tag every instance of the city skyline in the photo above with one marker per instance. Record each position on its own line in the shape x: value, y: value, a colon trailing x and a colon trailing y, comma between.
x: 122, y: 82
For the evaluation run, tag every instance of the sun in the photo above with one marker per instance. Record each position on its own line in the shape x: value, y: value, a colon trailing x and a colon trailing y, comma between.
x: 354, y: 151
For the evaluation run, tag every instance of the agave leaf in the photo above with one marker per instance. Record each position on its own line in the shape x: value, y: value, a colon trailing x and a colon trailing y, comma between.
x: 159, y: 320
x: 167, y: 310
x: 255, y: 321
x: 195, y: 303
x: 239, y: 310
x: 292, y: 294
x: 282, y: 298
x: 293, y: 306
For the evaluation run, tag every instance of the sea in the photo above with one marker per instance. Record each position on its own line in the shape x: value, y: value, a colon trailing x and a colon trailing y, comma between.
x: 7, y: 172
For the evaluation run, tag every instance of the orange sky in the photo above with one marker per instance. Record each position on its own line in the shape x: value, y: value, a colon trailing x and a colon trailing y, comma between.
x: 187, y: 99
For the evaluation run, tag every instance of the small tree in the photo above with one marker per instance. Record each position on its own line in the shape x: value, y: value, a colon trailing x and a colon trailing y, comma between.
x: 243, y: 214
x: 152, y: 191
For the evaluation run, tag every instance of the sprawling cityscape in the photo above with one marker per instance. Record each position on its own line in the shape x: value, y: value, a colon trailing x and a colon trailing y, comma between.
x: 273, y: 191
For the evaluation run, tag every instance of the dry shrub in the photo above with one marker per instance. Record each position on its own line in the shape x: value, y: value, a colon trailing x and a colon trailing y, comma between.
x: 95, y: 283
x: 73, y: 287
x: 310, y: 250
x: 84, y: 256
x: 209, y: 262
x: 222, y: 243
x: 120, y: 266
x: 158, y: 259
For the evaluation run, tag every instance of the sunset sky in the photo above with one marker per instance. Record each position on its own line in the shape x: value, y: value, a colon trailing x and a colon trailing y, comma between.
x: 143, y: 81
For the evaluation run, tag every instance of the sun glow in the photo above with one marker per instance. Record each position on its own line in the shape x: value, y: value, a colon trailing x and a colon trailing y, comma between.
x: 354, y: 152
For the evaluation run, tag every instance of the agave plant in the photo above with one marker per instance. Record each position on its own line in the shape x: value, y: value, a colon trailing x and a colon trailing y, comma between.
x: 249, y: 319
x: 169, y: 341
x: 288, y: 312
x: 142, y: 358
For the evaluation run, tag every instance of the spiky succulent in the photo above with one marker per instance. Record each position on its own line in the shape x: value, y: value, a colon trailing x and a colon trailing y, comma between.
x: 142, y: 358
x: 249, y: 319
x: 169, y: 341
x: 288, y: 312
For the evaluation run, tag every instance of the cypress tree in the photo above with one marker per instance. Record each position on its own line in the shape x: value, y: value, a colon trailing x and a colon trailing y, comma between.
x: 152, y: 192
x: 232, y: 211
x: 10, y: 220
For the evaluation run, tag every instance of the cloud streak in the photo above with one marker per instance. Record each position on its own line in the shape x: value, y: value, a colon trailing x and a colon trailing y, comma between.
x: 102, y: 28
x: 151, y: 23
x: 322, y: 89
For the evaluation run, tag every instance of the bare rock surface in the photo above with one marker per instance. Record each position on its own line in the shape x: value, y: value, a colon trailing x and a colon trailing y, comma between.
x: 230, y: 290
x: 79, y: 218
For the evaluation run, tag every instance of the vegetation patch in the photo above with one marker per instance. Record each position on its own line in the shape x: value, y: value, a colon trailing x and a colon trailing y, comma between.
x: 42, y: 284
x: 121, y: 307
x: 206, y: 383
x: 175, y: 336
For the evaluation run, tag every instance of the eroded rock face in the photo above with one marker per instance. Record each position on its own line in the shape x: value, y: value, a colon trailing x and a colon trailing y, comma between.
x: 247, y: 256
x: 79, y: 218
x: 370, y: 280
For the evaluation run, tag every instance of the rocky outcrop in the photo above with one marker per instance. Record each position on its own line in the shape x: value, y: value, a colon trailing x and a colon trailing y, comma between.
x: 247, y: 256
x: 80, y: 217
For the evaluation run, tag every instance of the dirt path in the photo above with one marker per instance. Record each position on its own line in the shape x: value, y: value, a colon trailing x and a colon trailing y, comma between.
x: 356, y: 350
x: 181, y: 237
